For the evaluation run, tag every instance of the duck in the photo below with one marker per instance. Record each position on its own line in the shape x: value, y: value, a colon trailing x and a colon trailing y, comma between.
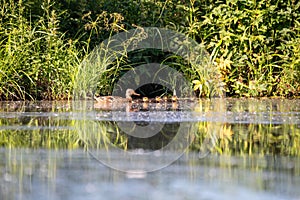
x: 145, y: 99
x: 167, y: 99
x: 117, y: 99
x: 174, y: 98
x: 158, y: 99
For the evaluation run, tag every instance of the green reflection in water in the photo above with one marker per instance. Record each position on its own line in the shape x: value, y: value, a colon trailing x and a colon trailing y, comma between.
x: 52, y: 132
x: 266, y: 152
x: 248, y: 139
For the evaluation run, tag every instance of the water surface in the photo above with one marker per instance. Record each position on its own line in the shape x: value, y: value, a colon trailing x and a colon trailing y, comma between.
x: 236, y: 149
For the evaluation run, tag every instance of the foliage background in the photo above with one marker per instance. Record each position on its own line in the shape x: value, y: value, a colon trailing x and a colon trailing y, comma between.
x: 255, y: 44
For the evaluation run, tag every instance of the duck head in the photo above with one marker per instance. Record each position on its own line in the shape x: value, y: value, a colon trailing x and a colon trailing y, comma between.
x: 129, y: 93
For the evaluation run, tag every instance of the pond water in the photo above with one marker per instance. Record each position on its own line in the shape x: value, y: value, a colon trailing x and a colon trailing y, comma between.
x: 211, y: 149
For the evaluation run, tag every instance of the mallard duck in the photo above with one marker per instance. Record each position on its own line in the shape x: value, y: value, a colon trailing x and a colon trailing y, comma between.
x: 116, y: 99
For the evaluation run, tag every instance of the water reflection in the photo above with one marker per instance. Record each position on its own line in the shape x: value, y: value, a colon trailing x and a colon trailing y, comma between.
x: 235, y: 126
x: 64, y: 174
x: 251, y: 144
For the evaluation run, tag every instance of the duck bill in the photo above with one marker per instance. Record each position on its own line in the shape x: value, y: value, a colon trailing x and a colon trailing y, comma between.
x: 136, y: 94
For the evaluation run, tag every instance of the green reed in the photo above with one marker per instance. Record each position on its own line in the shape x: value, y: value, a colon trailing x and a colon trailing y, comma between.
x: 36, y: 61
x: 254, y: 45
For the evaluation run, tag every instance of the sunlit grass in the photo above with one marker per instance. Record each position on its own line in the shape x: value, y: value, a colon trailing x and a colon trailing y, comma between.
x: 254, y: 52
x: 37, y: 62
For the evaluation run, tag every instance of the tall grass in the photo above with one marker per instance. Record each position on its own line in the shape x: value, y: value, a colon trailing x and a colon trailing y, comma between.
x: 37, y: 62
x: 254, y: 45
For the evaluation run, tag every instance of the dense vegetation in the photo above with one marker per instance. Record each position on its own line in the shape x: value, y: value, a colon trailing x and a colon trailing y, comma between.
x: 255, y: 44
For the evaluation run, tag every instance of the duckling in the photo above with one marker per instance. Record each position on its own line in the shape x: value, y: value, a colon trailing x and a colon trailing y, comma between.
x: 174, y: 98
x: 158, y: 99
x: 145, y: 99
x: 145, y: 104
x: 165, y: 98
